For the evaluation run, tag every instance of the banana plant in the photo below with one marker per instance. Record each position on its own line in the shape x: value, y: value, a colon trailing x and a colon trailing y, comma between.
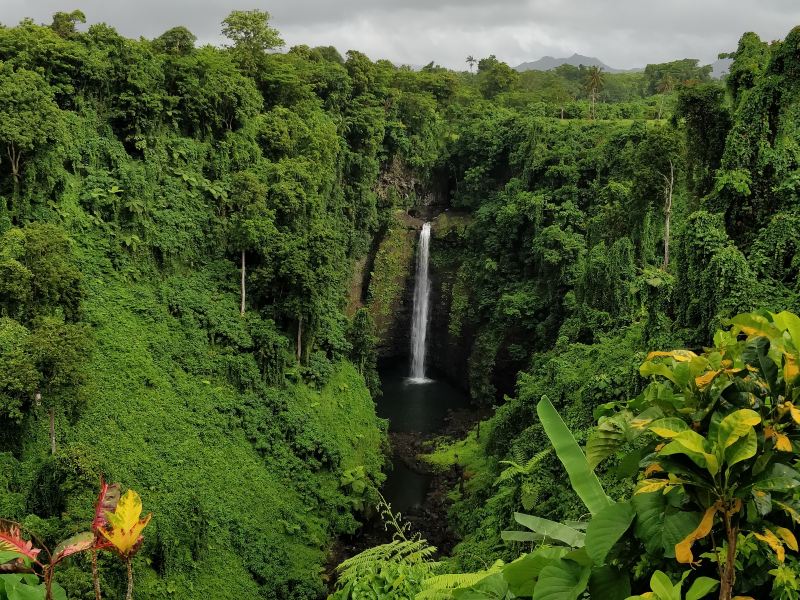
x: 586, y: 547
x: 662, y: 588
x: 723, y: 434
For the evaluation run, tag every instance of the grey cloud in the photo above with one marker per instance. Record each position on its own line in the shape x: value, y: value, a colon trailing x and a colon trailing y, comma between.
x: 623, y: 33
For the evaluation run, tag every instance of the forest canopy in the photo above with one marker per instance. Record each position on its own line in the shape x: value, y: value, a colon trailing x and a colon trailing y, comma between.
x: 203, y: 248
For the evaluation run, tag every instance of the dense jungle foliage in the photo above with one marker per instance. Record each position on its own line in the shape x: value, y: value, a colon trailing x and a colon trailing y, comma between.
x: 578, y: 246
x: 179, y: 232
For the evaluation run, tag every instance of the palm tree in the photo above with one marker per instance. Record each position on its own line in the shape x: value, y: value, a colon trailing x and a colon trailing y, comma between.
x: 471, y: 62
x: 595, y: 78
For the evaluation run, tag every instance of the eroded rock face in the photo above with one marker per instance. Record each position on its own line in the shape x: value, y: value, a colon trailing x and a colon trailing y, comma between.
x: 450, y: 340
x: 391, y: 290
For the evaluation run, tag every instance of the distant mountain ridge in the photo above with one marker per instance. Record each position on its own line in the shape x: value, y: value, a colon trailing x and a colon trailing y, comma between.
x: 548, y: 62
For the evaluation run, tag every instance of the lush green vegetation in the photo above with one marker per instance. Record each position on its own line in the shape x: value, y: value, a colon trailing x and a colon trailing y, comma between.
x: 179, y: 232
x: 591, y: 243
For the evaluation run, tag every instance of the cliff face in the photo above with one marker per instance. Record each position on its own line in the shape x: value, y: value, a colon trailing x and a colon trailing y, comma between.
x: 388, y: 277
x: 449, y: 339
x: 384, y: 281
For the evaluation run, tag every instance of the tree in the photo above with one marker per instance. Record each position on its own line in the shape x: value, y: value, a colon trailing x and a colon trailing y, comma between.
x: 29, y: 117
x: 177, y: 41
x: 252, y: 223
x: 495, y: 77
x: 47, y: 348
x: 722, y: 426
x: 594, y: 81
x: 685, y: 72
x: 665, y: 87
x: 64, y: 24
x: 60, y: 352
x: 471, y: 62
x: 252, y: 36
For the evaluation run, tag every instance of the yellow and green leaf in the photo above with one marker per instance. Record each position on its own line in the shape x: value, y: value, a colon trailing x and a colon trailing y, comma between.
x: 683, y: 549
x: 773, y: 542
x: 125, y: 526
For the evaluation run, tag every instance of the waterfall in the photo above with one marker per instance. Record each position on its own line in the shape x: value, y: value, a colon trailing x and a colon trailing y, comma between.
x: 419, y: 320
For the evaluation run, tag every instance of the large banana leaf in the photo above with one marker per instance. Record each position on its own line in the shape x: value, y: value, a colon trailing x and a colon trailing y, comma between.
x: 606, y: 528
x: 549, y: 529
x: 581, y: 476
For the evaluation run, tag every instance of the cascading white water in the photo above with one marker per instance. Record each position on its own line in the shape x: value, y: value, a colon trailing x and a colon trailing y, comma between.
x: 419, y: 319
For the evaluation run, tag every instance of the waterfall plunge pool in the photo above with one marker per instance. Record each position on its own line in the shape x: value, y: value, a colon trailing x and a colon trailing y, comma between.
x: 419, y: 408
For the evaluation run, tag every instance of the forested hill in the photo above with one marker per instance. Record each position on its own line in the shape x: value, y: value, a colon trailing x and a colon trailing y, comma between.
x: 181, y: 228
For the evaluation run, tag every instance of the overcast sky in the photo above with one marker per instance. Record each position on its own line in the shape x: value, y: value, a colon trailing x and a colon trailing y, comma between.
x: 622, y: 33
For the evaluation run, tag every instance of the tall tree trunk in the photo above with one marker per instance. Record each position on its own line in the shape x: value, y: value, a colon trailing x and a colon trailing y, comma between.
x: 48, y: 582
x: 299, y: 338
x: 243, y: 282
x: 52, y: 430
x: 96, y: 576
x: 14, y: 157
x: 668, y: 190
x: 129, y: 594
x: 729, y: 570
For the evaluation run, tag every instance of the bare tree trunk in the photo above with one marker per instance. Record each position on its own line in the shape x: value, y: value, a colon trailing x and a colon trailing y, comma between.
x: 668, y: 189
x: 729, y: 570
x: 52, y: 431
x: 14, y: 157
x: 243, y: 287
x: 299, y: 338
x: 96, y: 576
x: 129, y: 594
x: 48, y: 583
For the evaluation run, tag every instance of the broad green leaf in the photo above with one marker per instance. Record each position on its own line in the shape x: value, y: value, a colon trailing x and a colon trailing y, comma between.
x: 649, y: 519
x: 736, y: 425
x: 552, y: 529
x: 522, y: 573
x: 786, y: 321
x: 752, y: 324
x: 493, y: 587
x: 780, y: 478
x: 662, y: 586
x: 606, y: 528
x: 693, y: 445
x: 609, y: 583
x: 562, y: 580
x: 668, y: 427
x: 743, y: 449
x: 520, y: 536
x: 581, y: 476
x: 650, y: 368
x: 701, y: 587
x: 604, y: 440
x: 22, y: 591
x: 756, y: 353
x: 9, y: 555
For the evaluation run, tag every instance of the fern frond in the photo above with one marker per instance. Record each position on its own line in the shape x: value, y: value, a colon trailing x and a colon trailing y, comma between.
x: 439, y: 586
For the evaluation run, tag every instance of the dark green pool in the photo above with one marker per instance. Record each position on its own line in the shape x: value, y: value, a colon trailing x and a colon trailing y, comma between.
x: 413, y: 407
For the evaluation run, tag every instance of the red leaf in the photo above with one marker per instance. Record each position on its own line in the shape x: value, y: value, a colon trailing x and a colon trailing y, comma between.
x: 106, y: 502
x: 73, y: 545
x: 11, y: 541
